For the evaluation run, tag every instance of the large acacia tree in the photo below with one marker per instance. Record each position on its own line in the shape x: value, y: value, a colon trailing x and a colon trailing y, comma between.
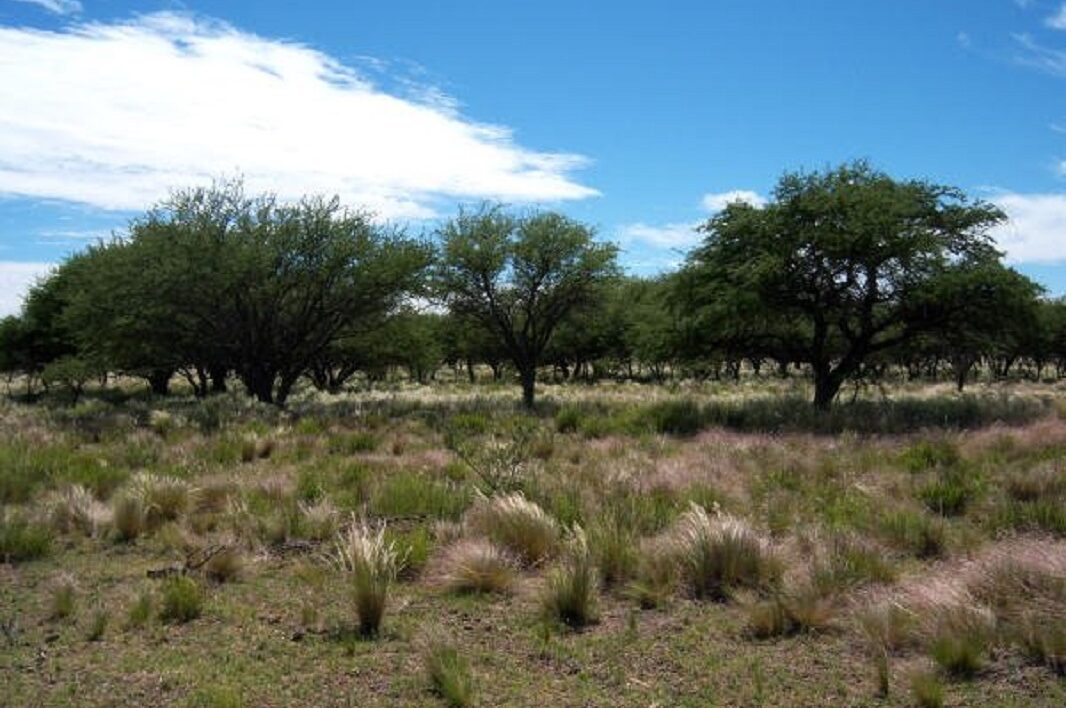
x: 839, y: 263
x: 521, y: 276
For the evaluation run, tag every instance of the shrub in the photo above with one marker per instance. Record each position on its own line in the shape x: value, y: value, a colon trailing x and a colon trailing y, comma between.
x: 183, y: 600
x: 721, y: 553
x: 477, y: 565
x: 916, y: 533
x: 22, y: 540
x: 449, y: 673
x: 570, y: 590
x: 373, y: 564
x: 569, y: 419
x: 515, y: 523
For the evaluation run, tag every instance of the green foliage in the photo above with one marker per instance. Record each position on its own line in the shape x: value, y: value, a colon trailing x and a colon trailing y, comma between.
x: 182, y: 600
x: 570, y: 590
x: 449, y: 674
x: 409, y: 494
x: 951, y: 492
x: 930, y: 454
x: 519, y: 277
x: 848, y: 563
x: 915, y: 532
x: 682, y: 417
x: 22, y: 540
x: 927, y: 690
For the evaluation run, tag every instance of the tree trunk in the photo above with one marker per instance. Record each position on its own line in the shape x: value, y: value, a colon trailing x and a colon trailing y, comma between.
x: 159, y: 381
x: 218, y: 379
x: 827, y: 384
x: 528, y: 374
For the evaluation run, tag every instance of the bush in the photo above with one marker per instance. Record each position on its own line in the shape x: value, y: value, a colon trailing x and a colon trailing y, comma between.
x: 569, y: 419
x: 22, y: 540
x: 721, y: 553
x: 183, y: 600
x: 449, y: 674
x: 515, y: 523
x: 570, y: 590
x: 373, y: 564
x: 477, y: 565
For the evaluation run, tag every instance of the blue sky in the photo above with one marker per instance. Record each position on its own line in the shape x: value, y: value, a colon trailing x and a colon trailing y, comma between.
x: 637, y: 117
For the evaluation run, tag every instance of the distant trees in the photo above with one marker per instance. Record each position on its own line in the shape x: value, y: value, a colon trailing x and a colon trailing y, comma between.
x: 520, y: 278
x: 839, y: 266
x: 846, y: 274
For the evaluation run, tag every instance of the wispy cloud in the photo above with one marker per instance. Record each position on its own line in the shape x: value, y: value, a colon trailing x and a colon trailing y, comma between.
x: 1036, y: 228
x: 1039, y: 56
x: 59, y: 7
x: 15, y: 279
x: 1058, y: 20
x: 115, y: 115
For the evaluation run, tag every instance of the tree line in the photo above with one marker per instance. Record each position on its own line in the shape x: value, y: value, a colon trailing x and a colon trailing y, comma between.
x: 844, y: 274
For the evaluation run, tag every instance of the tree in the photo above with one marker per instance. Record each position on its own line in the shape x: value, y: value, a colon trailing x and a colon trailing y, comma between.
x: 521, y: 277
x: 836, y: 261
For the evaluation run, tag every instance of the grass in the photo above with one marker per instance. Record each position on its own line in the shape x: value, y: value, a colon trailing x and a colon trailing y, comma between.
x: 182, y: 600
x: 570, y: 591
x: 719, y: 554
x: 517, y: 524
x: 23, y: 540
x: 836, y: 576
x: 372, y: 563
x: 449, y: 673
x: 477, y: 566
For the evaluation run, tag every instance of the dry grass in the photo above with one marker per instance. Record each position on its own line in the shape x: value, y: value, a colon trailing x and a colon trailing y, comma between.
x: 477, y: 565
x: 517, y: 524
x: 372, y: 563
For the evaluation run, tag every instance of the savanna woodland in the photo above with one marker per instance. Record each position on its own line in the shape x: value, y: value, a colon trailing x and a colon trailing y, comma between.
x: 266, y: 453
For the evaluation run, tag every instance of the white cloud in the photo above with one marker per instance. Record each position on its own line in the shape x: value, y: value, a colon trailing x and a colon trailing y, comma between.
x: 115, y: 115
x: 715, y: 202
x: 682, y: 236
x: 59, y: 7
x: 16, y: 277
x: 1036, y: 232
x: 1038, y: 56
x: 1058, y: 20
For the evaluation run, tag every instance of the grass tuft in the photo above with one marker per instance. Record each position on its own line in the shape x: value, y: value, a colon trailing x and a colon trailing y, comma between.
x: 372, y: 563
x: 515, y: 523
